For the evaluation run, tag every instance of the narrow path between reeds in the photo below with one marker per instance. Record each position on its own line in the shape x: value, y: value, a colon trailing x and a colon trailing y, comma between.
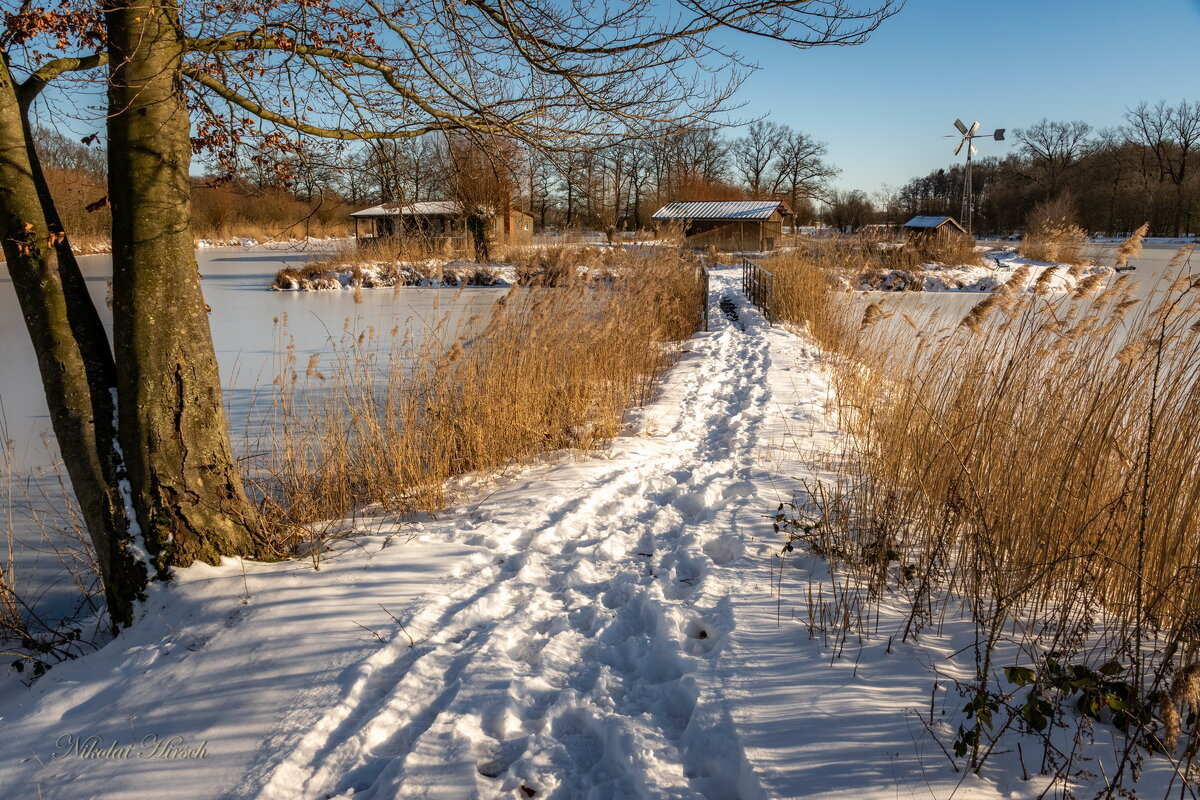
x: 602, y: 624
x: 565, y: 659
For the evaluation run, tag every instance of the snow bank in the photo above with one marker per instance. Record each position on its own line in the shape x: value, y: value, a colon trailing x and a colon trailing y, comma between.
x: 1004, y: 264
x: 236, y: 241
x: 378, y: 274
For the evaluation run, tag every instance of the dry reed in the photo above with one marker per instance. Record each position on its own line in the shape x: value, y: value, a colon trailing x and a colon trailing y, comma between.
x: 388, y: 417
x: 1051, y: 236
x: 1036, y: 464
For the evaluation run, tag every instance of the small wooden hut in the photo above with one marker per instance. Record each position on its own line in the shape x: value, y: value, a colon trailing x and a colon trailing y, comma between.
x: 934, y: 225
x: 439, y: 219
x: 728, y: 225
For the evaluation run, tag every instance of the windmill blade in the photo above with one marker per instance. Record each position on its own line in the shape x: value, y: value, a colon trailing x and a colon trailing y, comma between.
x: 961, y: 128
x: 960, y: 144
x: 974, y: 149
x: 974, y: 127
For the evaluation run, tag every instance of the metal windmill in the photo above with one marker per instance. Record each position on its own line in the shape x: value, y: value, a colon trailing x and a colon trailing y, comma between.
x: 969, y: 135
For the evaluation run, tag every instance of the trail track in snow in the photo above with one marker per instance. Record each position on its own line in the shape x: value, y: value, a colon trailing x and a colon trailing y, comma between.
x: 612, y: 627
x: 566, y: 661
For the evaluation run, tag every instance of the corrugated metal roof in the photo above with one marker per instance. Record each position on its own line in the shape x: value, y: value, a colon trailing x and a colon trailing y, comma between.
x: 425, y: 208
x: 730, y: 210
x: 929, y: 222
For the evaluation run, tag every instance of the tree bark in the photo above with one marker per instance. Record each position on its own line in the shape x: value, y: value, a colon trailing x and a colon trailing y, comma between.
x: 76, y: 365
x: 186, y: 487
x: 478, y: 227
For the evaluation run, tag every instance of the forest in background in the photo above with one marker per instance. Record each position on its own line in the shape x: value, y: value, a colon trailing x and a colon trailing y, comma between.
x: 1111, y: 179
x: 1108, y: 181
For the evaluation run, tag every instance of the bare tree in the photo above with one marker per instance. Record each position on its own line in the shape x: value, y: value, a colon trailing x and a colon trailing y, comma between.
x: 482, y: 177
x: 541, y: 177
x: 755, y: 154
x: 848, y: 211
x: 1053, y: 150
x: 182, y: 75
x: 803, y: 173
x: 1172, y: 134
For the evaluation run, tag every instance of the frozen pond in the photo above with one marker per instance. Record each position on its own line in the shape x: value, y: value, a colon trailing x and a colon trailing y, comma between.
x: 249, y: 349
x: 947, y: 308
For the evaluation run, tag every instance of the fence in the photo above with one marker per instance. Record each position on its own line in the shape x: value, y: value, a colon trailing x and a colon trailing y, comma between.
x: 758, y: 285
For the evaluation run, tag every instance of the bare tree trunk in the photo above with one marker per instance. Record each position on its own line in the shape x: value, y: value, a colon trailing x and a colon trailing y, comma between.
x: 478, y: 226
x: 74, y: 359
x: 186, y: 487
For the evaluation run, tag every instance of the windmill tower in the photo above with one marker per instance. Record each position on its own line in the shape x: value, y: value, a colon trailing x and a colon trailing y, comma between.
x: 969, y: 135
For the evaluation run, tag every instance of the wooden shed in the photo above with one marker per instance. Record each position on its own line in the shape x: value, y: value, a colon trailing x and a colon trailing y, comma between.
x: 929, y: 225
x: 728, y: 225
x: 439, y: 219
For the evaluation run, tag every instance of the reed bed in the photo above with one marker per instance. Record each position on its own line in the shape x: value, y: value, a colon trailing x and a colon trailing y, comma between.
x: 386, y: 419
x: 412, y: 261
x: 1035, y: 467
x: 881, y: 263
x: 810, y: 284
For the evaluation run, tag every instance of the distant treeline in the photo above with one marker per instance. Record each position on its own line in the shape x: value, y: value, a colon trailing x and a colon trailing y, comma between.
x: 221, y: 208
x: 614, y: 187
x: 618, y: 186
x: 1109, y: 180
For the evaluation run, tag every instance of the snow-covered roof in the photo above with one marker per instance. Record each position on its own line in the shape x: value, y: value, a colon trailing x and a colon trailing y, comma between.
x: 425, y: 208
x: 730, y: 210
x: 932, y: 222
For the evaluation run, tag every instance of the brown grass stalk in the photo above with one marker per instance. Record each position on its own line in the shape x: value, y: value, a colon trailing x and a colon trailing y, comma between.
x: 1035, y: 463
x: 388, y: 416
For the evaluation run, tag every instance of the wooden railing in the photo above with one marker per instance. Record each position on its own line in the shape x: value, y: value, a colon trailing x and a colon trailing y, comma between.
x: 758, y: 285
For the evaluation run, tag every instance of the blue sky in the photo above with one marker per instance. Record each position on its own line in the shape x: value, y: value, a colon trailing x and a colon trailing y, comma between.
x: 883, y: 106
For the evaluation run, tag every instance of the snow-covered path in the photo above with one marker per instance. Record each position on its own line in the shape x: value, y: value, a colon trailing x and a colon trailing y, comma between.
x: 564, y: 659
x: 601, y: 628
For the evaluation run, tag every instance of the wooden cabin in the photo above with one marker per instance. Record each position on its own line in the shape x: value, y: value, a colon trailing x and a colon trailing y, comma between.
x: 933, y: 225
x: 439, y: 219
x: 728, y: 225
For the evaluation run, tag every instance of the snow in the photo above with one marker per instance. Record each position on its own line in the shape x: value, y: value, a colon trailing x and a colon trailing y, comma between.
x: 594, y: 626
x: 236, y: 241
x: 1003, y: 265
x: 135, y: 541
x: 429, y: 273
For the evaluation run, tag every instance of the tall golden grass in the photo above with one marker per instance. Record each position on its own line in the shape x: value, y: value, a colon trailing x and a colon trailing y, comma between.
x: 1035, y: 464
x: 1052, y: 236
x: 390, y: 416
x: 866, y: 259
x: 808, y: 289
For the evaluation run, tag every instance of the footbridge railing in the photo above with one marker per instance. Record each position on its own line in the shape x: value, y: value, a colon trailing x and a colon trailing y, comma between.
x: 758, y: 285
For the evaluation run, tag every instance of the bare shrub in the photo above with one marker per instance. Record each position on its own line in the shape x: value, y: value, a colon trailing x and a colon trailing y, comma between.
x: 946, y: 247
x: 1051, y: 234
